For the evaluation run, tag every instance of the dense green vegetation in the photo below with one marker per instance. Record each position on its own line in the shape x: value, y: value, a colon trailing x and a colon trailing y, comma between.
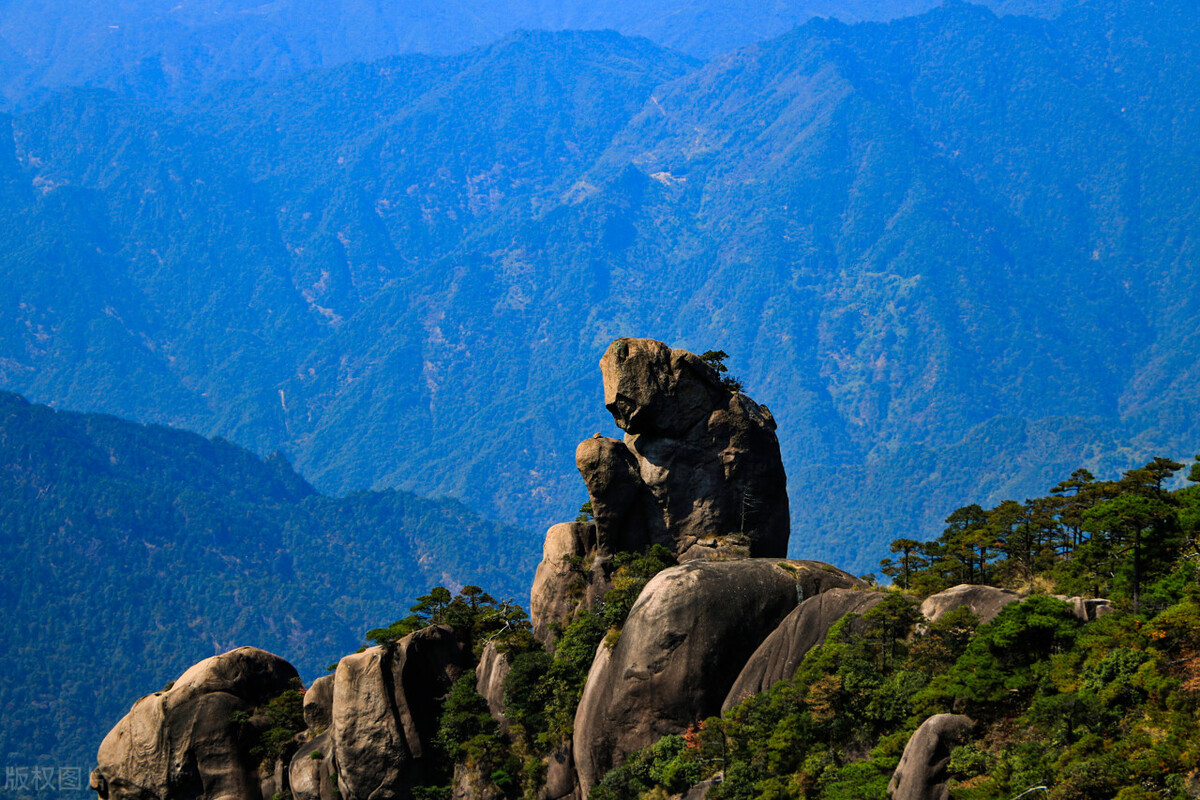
x: 133, y: 552
x: 1097, y: 710
x: 1113, y: 538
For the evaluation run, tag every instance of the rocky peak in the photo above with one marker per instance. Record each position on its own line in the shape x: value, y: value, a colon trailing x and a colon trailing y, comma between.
x: 698, y: 461
x: 698, y: 472
x: 651, y: 388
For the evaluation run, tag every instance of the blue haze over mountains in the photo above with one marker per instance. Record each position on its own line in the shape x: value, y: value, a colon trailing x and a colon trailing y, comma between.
x: 171, y: 50
x: 954, y: 253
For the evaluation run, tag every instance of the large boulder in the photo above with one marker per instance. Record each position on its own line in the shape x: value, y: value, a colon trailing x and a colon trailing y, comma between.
x: 561, y: 780
x: 985, y: 602
x: 310, y: 775
x: 698, y: 461
x: 385, y: 711
x: 625, y: 512
x: 1087, y: 609
x: 186, y: 741
x: 570, y: 577
x: 921, y: 773
x: 685, y: 641
x: 318, y: 704
x: 806, y: 627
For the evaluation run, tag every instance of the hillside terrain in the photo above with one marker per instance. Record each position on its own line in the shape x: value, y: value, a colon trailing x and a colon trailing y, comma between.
x: 132, y: 551
x: 952, y: 253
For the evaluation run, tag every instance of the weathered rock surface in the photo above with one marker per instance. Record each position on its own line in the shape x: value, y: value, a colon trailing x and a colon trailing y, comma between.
x: 688, y: 636
x: 273, y: 779
x: 623, y: 508
x: 921, y: 773
x: 183, y: 742
x: 985, y: 602
x: 493, y: 668
x: 780, y: 654
x: 311, y: 772
x: 1088, y: 609
x: 571, y: 576
x: 385, y: 710
x: 561, y: 782
x: 697, y: 461
x: 699, y: 472
x: 318, y: 704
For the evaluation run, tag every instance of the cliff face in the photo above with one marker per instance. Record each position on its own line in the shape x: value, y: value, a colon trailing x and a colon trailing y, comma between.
x: 697, y: 481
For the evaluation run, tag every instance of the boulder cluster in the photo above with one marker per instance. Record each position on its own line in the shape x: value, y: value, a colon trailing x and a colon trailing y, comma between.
x: 367, y: 727
x: 698, y: 472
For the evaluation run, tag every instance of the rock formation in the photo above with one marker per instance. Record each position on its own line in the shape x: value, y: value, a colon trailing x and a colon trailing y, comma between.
x: 1087, y: 609
x: 312, y: 769
x: 699, y: 472
x: 186, y: 741
x: 571, y: 575
x: 493, y: 668
x: 385, y: 710
x: 780, y: 654
x: 985, y: 602
x: 318, y: 704
x: 685, y: 641
x: 921, y: 773
x: 561, y: 782
x: 698, y: 461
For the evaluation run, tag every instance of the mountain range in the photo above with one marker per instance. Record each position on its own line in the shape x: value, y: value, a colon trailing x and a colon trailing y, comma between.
x: 161, y: 53
x: 951, y: 252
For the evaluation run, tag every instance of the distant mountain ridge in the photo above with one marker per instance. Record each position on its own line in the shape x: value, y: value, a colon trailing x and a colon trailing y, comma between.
x: 132, y: 550
x: 950, y: 253
x: 149, y: 51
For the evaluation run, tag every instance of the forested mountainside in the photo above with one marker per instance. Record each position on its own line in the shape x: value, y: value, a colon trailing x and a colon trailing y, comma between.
x: 131, y: 551
x: 170, y: 52
x: 952, y: 253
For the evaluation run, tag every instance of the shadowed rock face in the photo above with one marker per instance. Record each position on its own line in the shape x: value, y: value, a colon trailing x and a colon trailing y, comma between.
x: 183, y: 742
x: 698, y: 461
x: 985, y: 602
x: 385, y: 710
x: 687, y: 638
x: 780, y: 654
x: 921, y: 773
